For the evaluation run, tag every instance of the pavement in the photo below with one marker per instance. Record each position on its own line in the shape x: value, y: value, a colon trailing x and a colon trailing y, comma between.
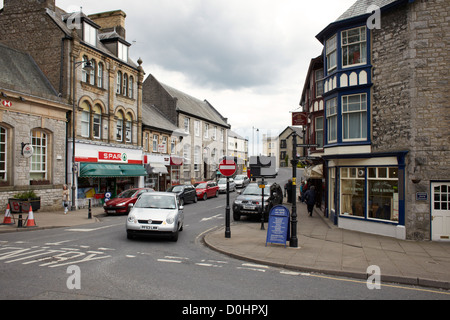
x: 322, y: 248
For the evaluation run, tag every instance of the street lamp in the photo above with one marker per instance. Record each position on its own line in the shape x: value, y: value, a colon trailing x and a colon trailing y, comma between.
x: 87, y: 67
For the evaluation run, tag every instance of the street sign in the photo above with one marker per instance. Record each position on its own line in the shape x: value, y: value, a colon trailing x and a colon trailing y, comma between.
x: 227, y: 167
x: 307, y: 145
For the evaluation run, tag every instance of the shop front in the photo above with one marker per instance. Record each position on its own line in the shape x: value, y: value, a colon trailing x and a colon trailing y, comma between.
x: 366, y: 193
x: 162, y: 171
x: 102, y: 175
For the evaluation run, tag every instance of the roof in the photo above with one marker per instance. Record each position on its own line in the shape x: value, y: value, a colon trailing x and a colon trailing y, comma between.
x: 360, y: 8
x: 152, y: 117
x: 21, y: 73
x: 195, y: 107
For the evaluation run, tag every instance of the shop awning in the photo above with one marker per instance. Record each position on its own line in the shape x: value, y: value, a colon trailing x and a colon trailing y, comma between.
x: 156, y: 168
x: 104, y: 170
x: 314, y: 172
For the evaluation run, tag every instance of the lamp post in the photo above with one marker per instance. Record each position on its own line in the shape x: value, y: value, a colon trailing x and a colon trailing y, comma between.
x: 294, y: 240
x: 87, y: 67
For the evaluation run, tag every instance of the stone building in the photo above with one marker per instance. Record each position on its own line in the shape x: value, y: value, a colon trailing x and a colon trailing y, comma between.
x: 387, y: 118
x: 32, y: 116
x: 106, y: 98
x: 205, y: 128
x: 286, y: 146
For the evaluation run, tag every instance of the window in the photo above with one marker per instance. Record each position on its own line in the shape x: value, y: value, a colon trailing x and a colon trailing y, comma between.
x: 164, y: 143
x: 92, y: 73
x: 319, y: 131
x: 197, y: 128
x: 331, y: 106
x: 354, y: 117
x: 353, y: 192
x: 130, y: 87
x: 206, y: 131
x: 100, y: 75
x: 85, y: 120
x: 90, y: 34
x: 332, y: 189
x: 39, y: 140
x: 122, y: 51
x: 186, y: 156
x: 173, y: 144
x: 319, y: 82
x: 354, y: 47
x: 119, y: 82
x: 85, y: 73
x: 214, y: 137
x: 97, y: 122
x: 155, y: 142
x: 125, y: 85
x: 186, y: 125
x: 222, y: 134
x: 3, y: 154
x: 383, y: 193
x: 146, y: 141
x: 119, y: 127
x: 128, y: 129
x: 331, y: 52
x: 197, y: 158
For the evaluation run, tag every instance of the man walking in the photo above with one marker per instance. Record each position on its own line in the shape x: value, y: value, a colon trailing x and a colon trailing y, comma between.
x: 310, y: 197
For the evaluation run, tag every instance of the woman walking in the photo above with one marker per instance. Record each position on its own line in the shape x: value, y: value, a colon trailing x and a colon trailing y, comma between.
x: 65, y: 195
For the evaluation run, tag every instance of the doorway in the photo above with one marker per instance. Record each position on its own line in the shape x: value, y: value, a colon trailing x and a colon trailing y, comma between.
x: 440, y: 211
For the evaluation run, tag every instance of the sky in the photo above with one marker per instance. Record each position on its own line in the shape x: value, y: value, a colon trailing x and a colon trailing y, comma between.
x: 248, y: 58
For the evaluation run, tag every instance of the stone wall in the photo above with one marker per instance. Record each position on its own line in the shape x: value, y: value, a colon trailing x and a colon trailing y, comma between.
x: 411, y: 99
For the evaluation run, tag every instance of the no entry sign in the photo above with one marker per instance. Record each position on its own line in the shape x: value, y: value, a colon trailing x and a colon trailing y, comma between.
x: 227, y: 167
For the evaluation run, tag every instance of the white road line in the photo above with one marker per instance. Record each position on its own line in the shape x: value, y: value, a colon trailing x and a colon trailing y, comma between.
x: 169, y: 261
x: 217, y: 216
x: 251, y: 269
x: 254, y: 265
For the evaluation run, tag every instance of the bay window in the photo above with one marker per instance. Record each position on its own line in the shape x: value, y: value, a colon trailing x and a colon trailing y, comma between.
x: 354, y: 117
x: 331, y: 52
x: 354, y: 46
x: 331, y: 106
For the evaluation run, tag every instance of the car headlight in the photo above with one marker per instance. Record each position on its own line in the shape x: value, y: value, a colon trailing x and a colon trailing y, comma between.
x: 131, y: 219
x: 237, y: 201
x: 170, y: 219
x: 121, y: 204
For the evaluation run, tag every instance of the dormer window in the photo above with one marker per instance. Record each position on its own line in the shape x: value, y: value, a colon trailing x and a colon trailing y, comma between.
x: 90, y: 34
x: 122, y: 51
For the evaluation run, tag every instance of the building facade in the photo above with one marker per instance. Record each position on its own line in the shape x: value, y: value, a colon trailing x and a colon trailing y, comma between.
x: 387, y: 127
x: 106, y: 98
x: 286, y: 145
x: 238, y: 148
x: 205, y: 129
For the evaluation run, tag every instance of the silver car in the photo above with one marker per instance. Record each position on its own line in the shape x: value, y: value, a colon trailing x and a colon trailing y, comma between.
x: 222, y: 183
x: 156, y: 213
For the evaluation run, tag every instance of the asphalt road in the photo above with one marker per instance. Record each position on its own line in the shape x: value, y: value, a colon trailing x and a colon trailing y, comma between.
x: 99, y: 262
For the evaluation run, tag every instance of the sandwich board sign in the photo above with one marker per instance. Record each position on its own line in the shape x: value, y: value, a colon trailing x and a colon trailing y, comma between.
x: 278, y: 230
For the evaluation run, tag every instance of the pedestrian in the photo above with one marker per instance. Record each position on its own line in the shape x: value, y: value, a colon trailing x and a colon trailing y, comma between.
x: 289, y: 191
x: 310, y: 197
x: 302, y: 186
x: 65, y: 200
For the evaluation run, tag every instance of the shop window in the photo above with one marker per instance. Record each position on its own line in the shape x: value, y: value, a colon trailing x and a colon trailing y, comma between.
x: 383, y: 193
x: 332, y: 189
x: 39, y: 142
x: 353, y: 192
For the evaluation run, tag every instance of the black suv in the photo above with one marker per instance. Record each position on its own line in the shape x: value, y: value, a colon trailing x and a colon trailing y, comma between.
x: 249, y: 201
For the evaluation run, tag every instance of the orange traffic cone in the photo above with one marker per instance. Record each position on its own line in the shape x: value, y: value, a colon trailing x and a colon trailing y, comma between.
x: 7, y: 220
x: 30, y: 219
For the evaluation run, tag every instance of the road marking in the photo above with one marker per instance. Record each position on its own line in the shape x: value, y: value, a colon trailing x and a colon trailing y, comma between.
x: 254, y: 265
x: 169, y: 261
x: 94, y: 229
x: 251, y: 269
x: 217, y: 216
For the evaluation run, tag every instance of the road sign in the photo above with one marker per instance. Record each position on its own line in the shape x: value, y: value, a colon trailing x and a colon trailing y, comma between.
x: 227, y: 167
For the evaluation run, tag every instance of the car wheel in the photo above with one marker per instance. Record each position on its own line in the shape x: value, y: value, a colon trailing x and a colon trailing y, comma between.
x: 217, y: 193
x: 205, y: 196
x: 130, y: 236
x: 195, y: 199
x: 182, y: 202
x: 175, y: 236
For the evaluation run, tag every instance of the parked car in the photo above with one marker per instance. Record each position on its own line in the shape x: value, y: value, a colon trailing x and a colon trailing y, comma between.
x: 186, y: 193
x: 249, y: 201
x: 222, y: 183
x: 156, y: 213
x: 241, y: 181
x: 207, y: 189
x: 121, y: 204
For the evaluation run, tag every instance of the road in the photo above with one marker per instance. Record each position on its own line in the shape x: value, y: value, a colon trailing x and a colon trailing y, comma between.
x: 99, y: 262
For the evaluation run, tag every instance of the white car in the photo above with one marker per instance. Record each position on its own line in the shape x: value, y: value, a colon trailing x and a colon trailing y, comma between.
x: 222, y: 183
x: 156, y: 213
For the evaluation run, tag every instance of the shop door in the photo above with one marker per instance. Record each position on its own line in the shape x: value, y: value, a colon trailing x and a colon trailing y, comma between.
x: 440, y: 211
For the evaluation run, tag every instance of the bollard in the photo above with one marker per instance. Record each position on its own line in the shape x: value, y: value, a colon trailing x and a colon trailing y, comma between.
x: 89, y: 211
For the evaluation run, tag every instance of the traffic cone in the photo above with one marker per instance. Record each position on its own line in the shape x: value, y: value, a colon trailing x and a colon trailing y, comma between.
x: 7, y: 220
x: 30, y: 219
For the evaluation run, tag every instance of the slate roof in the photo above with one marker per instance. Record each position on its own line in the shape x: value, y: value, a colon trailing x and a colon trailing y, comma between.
x: 154, y: 118
x: 195, y: 107
x: 19, y: 72
x: 360, y: 8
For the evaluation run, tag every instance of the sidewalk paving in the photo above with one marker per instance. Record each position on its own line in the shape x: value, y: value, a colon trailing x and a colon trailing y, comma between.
x: 322, y: 248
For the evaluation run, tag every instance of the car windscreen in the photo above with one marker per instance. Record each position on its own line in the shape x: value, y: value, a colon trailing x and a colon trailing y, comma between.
x: 255, y: 190
x: 156, y: 202
x: 201, y: 186
x: 127, y: 194
x: 239, y: 178
x: 176, y: 189
x: 222, y: 181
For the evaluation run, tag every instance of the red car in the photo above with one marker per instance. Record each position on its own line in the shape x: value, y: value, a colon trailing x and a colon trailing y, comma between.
x: 207, y: 189
x: 120, y: 205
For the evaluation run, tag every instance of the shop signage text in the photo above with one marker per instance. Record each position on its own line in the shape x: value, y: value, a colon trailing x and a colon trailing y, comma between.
x: 112, y: 156
x: 6, y: 103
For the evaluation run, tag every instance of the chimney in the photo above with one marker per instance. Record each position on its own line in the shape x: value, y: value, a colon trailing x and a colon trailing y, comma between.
x: 109, y: 21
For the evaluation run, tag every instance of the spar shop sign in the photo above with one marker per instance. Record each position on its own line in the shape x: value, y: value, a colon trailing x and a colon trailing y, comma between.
x: 112, y: 157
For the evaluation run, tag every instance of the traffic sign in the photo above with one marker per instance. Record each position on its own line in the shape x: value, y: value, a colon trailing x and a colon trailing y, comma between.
x: 227, y: 167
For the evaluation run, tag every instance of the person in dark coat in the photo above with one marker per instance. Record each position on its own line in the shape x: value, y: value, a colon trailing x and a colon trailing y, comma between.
x: 310, y: 197
x: 289, y: 191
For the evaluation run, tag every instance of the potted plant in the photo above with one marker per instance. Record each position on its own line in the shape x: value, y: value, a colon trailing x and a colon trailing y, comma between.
x: 21, y: 202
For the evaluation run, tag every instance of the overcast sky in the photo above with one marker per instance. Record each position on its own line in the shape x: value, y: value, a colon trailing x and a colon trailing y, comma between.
x: 248, y: 58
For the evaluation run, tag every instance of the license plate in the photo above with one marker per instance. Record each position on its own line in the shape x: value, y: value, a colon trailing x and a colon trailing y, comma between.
x: 111, y: 211
x: 149, y: 227
x: 249, y: 207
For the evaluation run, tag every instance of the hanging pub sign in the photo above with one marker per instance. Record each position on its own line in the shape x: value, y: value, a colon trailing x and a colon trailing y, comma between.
x: 278, y: 230
x: 299, y: 119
